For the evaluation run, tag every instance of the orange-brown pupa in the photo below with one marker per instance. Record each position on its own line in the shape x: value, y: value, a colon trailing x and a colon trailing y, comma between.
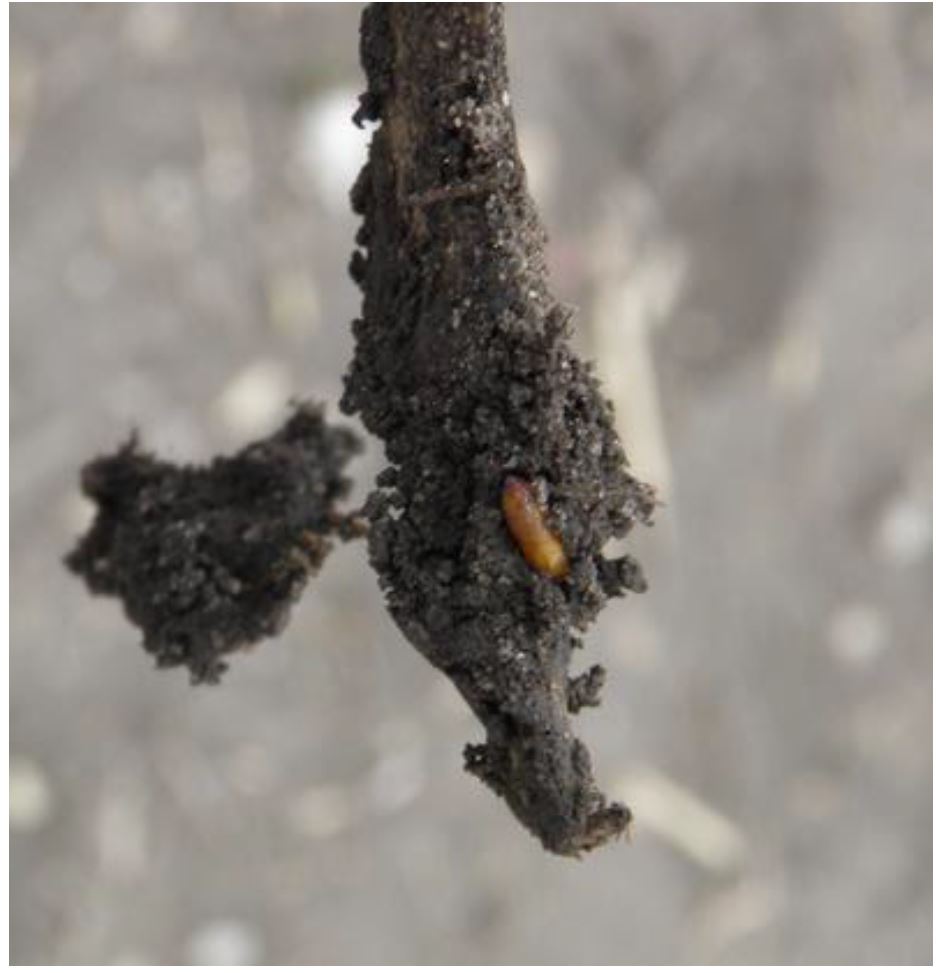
x: 541, y: 548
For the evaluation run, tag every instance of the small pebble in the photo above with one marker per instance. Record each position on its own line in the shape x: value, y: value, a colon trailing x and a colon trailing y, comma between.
x: 254, y: 399
x: 856, y: 634
x: 904, y: 532
x: 683, y: 820
x: 796, y: 365
x: 30, y: 795
x: 224, y: 942
x: 320, y: 812
x: 293, y: 302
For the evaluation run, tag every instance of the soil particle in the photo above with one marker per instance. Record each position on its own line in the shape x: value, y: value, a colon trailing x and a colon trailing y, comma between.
x: 463, y: 368
x: 208, y: 560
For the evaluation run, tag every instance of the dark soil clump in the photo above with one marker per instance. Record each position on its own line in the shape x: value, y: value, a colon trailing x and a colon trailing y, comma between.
x: 463, y: 368
x: 208, y: 560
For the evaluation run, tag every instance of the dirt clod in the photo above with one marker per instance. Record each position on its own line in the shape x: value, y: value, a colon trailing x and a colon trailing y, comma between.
x: 208, y: 560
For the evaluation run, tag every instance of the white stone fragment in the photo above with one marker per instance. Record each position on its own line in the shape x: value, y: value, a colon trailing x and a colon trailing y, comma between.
x: 30, y: 795
x: 856, y: 634
x: 321, y: 812
x: 682, y: 819
x: 254, y: 399
x: 293, y: 302
x: 796, y: 364
x: 224, y: 942
x: 904, y: 532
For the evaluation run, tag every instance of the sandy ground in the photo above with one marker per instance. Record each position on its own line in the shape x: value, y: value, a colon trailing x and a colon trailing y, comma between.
x: 740, y: 203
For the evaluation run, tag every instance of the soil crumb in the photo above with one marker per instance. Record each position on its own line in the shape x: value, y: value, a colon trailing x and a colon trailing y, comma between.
x: 463, y: 368
x: 208, y: 560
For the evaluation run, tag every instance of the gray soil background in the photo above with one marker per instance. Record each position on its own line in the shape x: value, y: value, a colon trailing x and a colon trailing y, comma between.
x: 739, y: 201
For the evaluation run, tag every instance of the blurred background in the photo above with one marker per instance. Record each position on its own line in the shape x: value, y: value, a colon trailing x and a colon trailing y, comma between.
x: 739, y: 201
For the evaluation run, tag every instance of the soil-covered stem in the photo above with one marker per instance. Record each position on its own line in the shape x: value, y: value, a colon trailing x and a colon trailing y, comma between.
x: 462, y: 367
